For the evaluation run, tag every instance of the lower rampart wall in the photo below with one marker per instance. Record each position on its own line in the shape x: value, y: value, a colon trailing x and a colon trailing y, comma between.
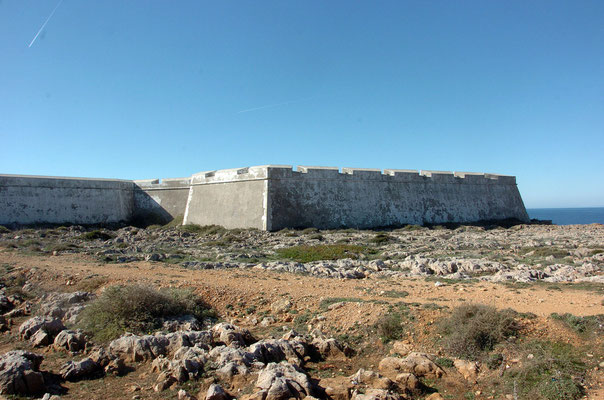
x: 33, y: 200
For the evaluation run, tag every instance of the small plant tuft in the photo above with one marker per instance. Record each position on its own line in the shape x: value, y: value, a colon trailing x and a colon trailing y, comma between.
x: 97, y: 234
x: 473, y: 329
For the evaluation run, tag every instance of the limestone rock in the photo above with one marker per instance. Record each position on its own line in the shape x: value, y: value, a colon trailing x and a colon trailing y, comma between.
x: 281, y: 306
x: 75, y: 370
x: 164, y: 381
x: 52, y: 326
x: 277, y: 350
x: 418, y: 364
x: 283, y: 381
x: 229, y: 334
x: 19, y: 373
x: 331, y: 348
x: 40, y: 339
x: 469, y: 369
x: 139, y: 348
x: 216, y: 392
x: 72, y: 341
x: 184, y: 395
x: 409, y: 381
x: 372, y: 380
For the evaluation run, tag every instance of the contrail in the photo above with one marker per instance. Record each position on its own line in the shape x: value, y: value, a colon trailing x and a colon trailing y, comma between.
x: 272, y: 105
x: 45, y: 22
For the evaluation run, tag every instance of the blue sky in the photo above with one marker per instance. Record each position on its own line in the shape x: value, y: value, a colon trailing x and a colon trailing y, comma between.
x: 150, y: 89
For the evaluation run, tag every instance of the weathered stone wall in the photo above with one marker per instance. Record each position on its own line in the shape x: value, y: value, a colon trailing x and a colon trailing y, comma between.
x: 32, y: 200
x: 360, y: 198
x: 160, y: 201
x: 268, y: 198
x: 233, y: 198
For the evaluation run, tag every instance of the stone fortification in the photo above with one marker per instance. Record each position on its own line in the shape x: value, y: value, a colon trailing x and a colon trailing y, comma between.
x: 269, y: 198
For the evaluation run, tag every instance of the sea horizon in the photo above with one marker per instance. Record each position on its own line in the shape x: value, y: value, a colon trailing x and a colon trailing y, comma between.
x: 568, y: 215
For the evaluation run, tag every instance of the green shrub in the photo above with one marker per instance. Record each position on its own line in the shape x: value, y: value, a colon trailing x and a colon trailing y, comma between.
x: 544, y: 252
x: 494, y: 360
x: 306, y: 253
x: 325, y: 303
x: 444, y: 362
x: 96, y: 234
x: 310, y: 230
x: 472, y: 329
x: 380, y: 238
x: 4, y: 229
x: 390, y: 326
x: 137, y: 309
x: 588, y: 325
x: 203, y: 230
x: 553, y: 373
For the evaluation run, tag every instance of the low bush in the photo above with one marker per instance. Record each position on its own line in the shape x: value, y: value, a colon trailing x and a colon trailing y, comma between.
x: 96, y: 234
x: 554, y: 372
x: 138, y: 309
x: 592, y: 324
x: 473, y: 329
x: 543, y: 252
x: 4, y: 229
x: 444, y: 362
x: 380, y: 238
x: 203, y: 230
x: 390, y: 326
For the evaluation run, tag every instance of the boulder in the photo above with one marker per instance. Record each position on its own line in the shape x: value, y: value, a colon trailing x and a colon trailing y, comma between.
x: 72, y: 341
x: 52, y: 326
x: 40, y: 339
x: 184, y: 395
x: 469, y: 369
x: 19, y: 373
x: 284, y: 381
x: 331, y: 348
x: 281, y: 306
x: 408, y: 381
x: 419, y: 364
x: 231, y: 335
x: 277, y: 350
x: 216, y: 392
x: 139, y: 348
x: 76, y: 370
x: 164, y: 381
x: 372, y: 380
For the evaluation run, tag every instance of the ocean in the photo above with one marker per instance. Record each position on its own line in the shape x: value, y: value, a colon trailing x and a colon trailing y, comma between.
x: 569, y: 216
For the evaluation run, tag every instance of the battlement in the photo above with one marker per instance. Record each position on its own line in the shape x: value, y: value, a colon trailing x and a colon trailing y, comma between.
x: 313, y: 172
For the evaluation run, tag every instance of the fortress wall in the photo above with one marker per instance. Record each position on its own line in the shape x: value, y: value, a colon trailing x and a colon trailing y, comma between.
x: 361, y: 198
x: 268, y: 197
x: 35, y: 199
x: 233, y: 198
x: 160, y: 201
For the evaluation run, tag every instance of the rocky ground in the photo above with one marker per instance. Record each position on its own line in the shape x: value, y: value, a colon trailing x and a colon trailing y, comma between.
x: 327, y: 314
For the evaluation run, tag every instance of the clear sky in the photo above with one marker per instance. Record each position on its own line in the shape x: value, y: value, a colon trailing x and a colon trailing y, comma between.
x: 152, y: 89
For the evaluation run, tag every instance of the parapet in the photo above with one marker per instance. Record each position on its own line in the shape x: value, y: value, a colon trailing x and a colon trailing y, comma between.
x: 263, y: 172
